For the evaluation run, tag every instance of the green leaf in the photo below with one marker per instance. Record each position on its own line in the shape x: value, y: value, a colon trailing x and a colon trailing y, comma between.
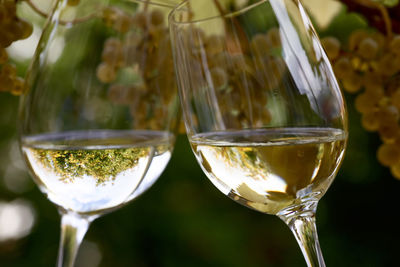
x: 344, y: 24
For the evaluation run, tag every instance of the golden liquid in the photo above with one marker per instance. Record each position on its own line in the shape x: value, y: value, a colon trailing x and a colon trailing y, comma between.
x: 272, y: 169
x: 89, y: 172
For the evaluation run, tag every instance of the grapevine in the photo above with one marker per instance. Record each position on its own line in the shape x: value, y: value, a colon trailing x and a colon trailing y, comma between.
x: 236, y: 68
x: 12, y: 28
x: 368, y: 65
x: 141, y: 46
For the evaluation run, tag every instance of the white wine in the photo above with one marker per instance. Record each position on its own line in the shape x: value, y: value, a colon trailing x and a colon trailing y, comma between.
x: 93, y: 171
x: 271, y: 169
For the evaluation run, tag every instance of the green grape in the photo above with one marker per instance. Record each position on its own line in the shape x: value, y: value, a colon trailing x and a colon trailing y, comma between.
x: 388, y: 132
x: 73, y: 2
x: 269, y: 72
x: 388, y: 114
x: 387, y: 66
x: 372, y: 62
x: 122, y: 23
x: 395, y: 170
x: 373, y: 85
x: 355, y: 39
x: 259, y: 45
x: 165, y: 52
x: 6, y: 38
x: 274, y: 37
x: 388, y: 154
x: 364, y: 103
x: 396, y: 61
x: 331, y: 46
x: 219, y: 77
x: 144, y: 52
x: 238, y: 62
x: 6, y: 83
x: 26, y: 31
x: 9, y: 70
x: 380, y: 39
x: 395, y: 98
x: 395, y: 45
x: 357, y: 63
x: 221, y: 59
x: 109, y: 15
x: 392, y: 84
x: 113, y: 52
x: 141, y: 19
x: 113, y: 43
x: 157, y: 34
x: 106, y: 73
x: 12, y: 28
x: 19, y: 86
x: 132, y: 39
x: 352, y: 83
x: 19, y: 30
x: 372, y: 80
x: 343, y: 67
x: 130, y: 55
x: 368, y: 48
x: 376, y: 92
x: 215, y: 44
x: 370, y: 121
x: 277, y: 67
x: 157, y: 18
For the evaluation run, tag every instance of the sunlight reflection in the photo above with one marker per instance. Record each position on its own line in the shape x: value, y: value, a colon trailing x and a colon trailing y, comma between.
x: 16, y: 219
x: 24, y: 49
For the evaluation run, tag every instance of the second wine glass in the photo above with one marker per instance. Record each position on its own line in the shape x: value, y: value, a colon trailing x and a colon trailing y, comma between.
x: 98, y: 120
x: 263, y: 111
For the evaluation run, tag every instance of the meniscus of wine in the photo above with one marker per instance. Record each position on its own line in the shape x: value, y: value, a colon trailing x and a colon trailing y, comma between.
x: 90, y: 172
x: 271, y: 169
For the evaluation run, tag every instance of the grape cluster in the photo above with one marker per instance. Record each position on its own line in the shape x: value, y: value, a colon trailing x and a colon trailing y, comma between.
x: 369, y: 66
x: 242, y: 74
x: 140, y: 46
x: 73, y: 2
x: 12, y: 29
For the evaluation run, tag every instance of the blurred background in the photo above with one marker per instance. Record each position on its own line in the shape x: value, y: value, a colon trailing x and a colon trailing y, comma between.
x: 183, y: 220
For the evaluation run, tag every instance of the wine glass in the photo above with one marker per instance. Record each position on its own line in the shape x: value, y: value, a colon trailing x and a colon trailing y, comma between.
x: 98, y: 120
x: 263, y: 112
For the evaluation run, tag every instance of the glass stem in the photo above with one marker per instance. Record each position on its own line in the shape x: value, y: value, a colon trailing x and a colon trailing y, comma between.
x: 301, y: 221
x: 73, y: 229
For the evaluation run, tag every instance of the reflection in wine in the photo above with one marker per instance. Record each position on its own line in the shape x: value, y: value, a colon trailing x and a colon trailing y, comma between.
x: 96, y: 170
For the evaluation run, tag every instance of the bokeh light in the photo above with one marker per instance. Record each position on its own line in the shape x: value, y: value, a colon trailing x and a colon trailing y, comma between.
x: 16, y: 219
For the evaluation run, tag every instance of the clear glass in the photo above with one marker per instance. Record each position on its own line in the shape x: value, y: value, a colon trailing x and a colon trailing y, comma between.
x: 263, y: 111
x: 98, y: 120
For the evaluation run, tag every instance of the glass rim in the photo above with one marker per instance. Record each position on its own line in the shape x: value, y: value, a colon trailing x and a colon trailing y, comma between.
x: 179, y: 8
x: 154, y: 3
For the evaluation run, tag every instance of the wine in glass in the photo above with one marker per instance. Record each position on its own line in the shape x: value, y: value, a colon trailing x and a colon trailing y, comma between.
x: 263, y: 112
x: 98, y: 119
